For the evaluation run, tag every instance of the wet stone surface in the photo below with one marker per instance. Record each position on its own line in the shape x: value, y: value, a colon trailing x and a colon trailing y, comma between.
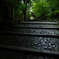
x: 48, y: 43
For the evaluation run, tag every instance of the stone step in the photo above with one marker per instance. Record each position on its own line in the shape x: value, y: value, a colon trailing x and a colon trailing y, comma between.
x: 30, y: 34
x: 35, y: 42
x: 36, y: 26
x: 30, y: 27
x: 40, y: 23
x: 18, y: 54
x: 42, y: 51
x: 33, y: 31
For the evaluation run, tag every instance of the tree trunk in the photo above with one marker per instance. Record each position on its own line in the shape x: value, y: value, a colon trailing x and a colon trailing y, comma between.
x: 25, y: 8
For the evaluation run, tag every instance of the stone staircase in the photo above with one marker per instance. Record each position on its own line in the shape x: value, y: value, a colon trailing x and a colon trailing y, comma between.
x: 31, y: 40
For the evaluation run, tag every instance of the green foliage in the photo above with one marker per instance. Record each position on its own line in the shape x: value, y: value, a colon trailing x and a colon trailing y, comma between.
x: 40, y: 8
x: 46, y: 9
x: 19, y: 10
x: 31, y: 18
x: 10, y: 0
x: 56, y: 12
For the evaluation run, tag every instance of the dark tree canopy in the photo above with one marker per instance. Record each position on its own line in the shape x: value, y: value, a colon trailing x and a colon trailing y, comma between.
x: 15, y: 11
